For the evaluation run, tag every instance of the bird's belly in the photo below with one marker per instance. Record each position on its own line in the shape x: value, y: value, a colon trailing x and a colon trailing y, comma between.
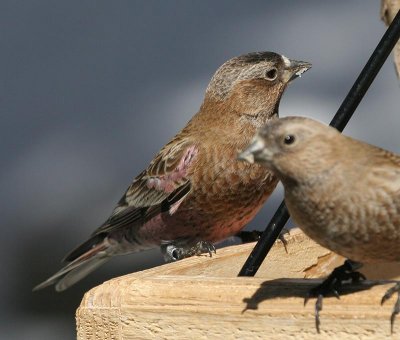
x: 197, y: 224
x: 359, y: 229
x: 210, y: 214
x: 360, y: 243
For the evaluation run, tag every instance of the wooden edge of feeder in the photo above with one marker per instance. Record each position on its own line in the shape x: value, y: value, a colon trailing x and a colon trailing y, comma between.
x: 202, y: 297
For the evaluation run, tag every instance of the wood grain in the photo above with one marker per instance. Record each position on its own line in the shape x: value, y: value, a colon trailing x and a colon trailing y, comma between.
x: 201, y: 298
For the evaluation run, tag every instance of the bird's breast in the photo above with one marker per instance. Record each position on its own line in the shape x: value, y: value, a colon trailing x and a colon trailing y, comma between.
x: 221, y: 181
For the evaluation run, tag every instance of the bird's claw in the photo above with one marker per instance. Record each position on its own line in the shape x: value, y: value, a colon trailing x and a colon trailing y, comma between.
x: 204, y: 247
x: 332, y: 284
x: 396, y: 308
x: 173, y: 252
x: 282, y: 238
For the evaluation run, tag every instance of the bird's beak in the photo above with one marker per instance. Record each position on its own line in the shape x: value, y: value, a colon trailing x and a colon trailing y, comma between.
x: 298, y: 68
x: 249, y: 154
x: 294, y: 68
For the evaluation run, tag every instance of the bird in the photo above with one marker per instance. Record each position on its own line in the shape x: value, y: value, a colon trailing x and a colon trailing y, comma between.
x: 342, y: 192
x: 194, y: 192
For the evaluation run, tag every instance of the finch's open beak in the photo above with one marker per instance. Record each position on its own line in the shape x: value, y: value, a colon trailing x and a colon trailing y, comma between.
x: 250, y: 154
x: 294, y: 68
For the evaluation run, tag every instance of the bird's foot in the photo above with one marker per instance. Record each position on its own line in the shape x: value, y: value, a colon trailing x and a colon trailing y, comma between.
x: 396, y: 308
x: 202, y: 247
x: 173, y: 252
x: 332, y: 284
x: 282, y: 238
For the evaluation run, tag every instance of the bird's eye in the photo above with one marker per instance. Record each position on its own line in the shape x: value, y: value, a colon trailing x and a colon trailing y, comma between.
x: 271, y: 74
x: 289, y: 139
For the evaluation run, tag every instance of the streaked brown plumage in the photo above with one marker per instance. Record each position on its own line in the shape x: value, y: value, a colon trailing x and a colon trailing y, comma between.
x: 195, y: 191
x: 343, y: 193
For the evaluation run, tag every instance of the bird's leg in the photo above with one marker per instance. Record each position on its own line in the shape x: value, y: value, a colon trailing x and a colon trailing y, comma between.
x: 332, y: 284
x: 282, y: 238
x: 396, y: 308
x: 173, y: 252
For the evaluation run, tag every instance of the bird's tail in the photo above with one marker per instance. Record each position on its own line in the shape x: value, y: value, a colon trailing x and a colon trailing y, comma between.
x: 83, y: 260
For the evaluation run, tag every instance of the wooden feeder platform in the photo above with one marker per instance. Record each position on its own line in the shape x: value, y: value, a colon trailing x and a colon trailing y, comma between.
x: 202, y: 298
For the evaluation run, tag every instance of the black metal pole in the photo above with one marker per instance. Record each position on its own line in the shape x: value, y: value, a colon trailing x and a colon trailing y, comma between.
x: 339, y: 121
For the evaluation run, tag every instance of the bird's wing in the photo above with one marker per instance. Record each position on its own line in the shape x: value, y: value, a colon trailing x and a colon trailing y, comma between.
x: 385, y: 184
x: 385, y: 171
x: 161, y: 187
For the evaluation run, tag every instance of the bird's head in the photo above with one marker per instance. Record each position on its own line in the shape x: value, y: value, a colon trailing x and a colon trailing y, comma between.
x: 252, y: 84
x: 295, y: 148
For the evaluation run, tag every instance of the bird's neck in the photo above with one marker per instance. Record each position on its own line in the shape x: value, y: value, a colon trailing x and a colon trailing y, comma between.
x: 235, y: 117
x: 252, y: 98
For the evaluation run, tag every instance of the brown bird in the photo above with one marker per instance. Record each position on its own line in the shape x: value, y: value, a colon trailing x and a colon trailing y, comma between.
x: 343, y: 193
x: 195, y: 192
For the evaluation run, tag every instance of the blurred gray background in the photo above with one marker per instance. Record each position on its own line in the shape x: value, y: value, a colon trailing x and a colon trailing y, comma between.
x: 90, y: 91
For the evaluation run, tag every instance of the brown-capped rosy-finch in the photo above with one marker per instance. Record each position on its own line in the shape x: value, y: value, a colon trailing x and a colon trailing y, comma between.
x: 343, y: 193
x: 195, y: 192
